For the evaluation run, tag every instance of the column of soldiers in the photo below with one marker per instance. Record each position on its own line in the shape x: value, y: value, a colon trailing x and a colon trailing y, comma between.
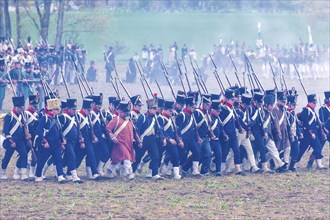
x: 193, y: 135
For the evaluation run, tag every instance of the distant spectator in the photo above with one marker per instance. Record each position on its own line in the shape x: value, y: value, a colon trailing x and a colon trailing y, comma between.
x: 91, y: 72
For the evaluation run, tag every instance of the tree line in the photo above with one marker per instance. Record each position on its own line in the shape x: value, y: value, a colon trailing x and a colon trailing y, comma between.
x: 40, y: 11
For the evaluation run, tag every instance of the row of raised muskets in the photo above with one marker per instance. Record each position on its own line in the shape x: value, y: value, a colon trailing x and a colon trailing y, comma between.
x: 197, y: 133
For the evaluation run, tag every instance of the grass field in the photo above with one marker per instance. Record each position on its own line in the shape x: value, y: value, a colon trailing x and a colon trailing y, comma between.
x: 302, y: 195
x: 97, y: 28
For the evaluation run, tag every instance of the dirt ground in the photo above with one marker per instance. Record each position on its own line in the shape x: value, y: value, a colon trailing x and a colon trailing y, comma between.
x: 301, y: 195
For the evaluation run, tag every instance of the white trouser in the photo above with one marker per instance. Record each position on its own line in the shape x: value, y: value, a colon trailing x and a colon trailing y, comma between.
x: 273, y: 153
x: 246, y: 143
x: 127, y: 164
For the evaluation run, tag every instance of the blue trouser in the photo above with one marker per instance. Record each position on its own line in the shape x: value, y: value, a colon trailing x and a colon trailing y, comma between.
x: 149, y: 144
x: 69, y: 157
x: 22, y: 159
x: 216, y: 147
x: 193, y: 146
x: 88, y: 151
x: 259, y: 145
x: 172, y: 154
x: 56, y: 152
x: 295, y: 151
x: 206, y: 156
x: 314, y: 143
x: 233, y: 144
x: 101, y: 151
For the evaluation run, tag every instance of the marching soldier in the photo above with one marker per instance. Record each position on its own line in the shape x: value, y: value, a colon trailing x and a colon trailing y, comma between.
x: 324, y: 113
x: 203, y: 121
x: 165, y: 121
x: 295, y: 133
x: 280, y: 116
x: 31, y: 119
x: 311, y: 128
x: 100, y: 147
x: 15, y: 140
x: 244, y: 137
x: 71, y: 134
x: 147, y: 129
x: 122, y: 135
x: 218, y: 132
x: 85, y: 146
x: 228, y: 117
x: 50, y: 140
x: 271, y: 133
x: 187, y: 132
x: 257, y: 128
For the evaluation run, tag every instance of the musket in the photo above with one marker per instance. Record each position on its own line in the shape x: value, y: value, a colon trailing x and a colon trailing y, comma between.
x: 126, y: 91
x: 253, y: 74
x: 166, y: 76
x: 11, y: 84
x: 282, y: 75
x: 200, y: 76
x: 161, y: 93
x: 28, y: 137
x: 66, y: 86
x: 79, y: 78
x: 196, y: 76
x: 239, y: 82
x: 84, y: 77
x: 144, y: 88
x: 302, y: 85
x: 224, y: 72
x: 144, y: 78
x: 274, y: 79
x: 180, y: 76
x: 217, y: 76
x: 186, y: 74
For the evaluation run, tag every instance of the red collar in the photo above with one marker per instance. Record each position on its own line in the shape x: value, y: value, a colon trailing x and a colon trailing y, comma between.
x: 165, y: 115
x: 185, y: 110
x: 202, y: 109
x: 82, y: 112
x: 66, y: 112
x: 95, y: 110
x: 116, y: 113
x: 50, y: 114
x: 229, y: 105
x: 15, y: 112
x: 30, y: 110
x: 309, y: 106
x: 328, y: 104
x: 148, y: 113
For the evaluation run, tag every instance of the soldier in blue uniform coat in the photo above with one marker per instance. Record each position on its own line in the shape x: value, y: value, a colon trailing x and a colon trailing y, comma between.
x: 295, y: 131
x: 50, y: 140
x: 165, y: 121
x: 85, y: 146
x: 31, y: 118
x: 15, y: 140
x: 257, y: 131
x: 187, y: 132
x: 228, y: 117
x: 148, y: 130
x: 217, y: 129
x: 311, y: 128
x: 72, y: 136
x: 101, y: 149
x: 203, y: 121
